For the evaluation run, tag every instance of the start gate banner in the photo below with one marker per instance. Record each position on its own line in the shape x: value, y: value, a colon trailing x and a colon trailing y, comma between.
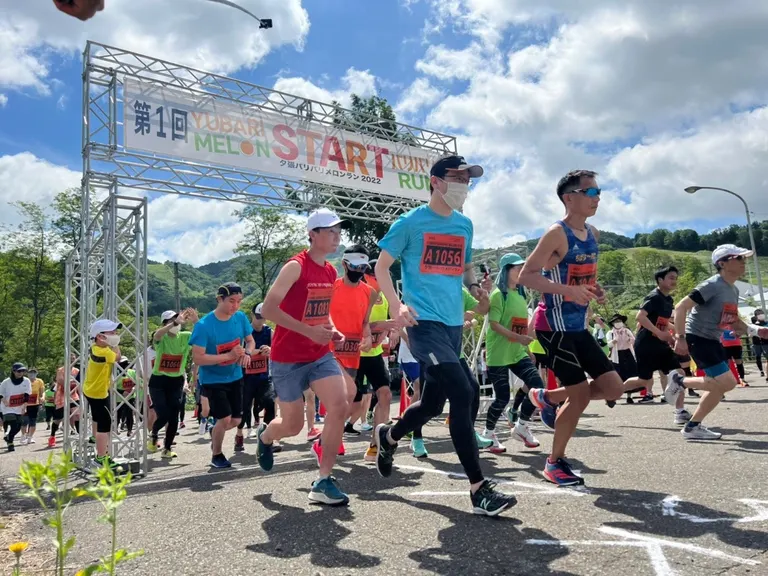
x: 201, y: 128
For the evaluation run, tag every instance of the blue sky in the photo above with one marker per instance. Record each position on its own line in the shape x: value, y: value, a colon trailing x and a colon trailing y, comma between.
x: 525, y: 85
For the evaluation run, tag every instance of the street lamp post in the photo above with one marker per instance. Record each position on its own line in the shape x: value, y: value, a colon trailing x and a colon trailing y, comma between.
x: 694, y: 189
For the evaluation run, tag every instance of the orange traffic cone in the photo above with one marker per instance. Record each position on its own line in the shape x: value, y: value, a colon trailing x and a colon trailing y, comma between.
x: 405, y: 400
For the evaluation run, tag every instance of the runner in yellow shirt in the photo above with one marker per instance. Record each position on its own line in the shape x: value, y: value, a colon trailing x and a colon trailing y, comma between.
x: 33, y: 407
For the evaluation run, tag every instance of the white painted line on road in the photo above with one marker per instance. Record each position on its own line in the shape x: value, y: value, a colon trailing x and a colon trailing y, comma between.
x: 759, y: 506
x: 670, y: 503
x: 501, y: 481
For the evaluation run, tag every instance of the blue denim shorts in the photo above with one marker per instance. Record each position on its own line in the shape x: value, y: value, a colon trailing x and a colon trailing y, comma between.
x: 291, y: 380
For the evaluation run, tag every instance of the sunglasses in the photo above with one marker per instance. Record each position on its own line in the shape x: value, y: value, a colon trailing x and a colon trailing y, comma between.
x: 357, y: 267
x: 739, y: 258
x: 591, y: 192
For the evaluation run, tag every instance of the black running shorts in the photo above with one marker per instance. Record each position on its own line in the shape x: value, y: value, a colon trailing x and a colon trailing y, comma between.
x: 373, y: 369
x: 574, y: 355
x: 224, y: 400
x: 734, y: 352
x: 653, y: 356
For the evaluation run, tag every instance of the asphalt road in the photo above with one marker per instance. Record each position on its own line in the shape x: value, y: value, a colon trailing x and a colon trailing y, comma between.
x: 654, y: 504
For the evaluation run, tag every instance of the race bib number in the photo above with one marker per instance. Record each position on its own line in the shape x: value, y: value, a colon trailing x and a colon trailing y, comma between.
x: 519, y: 326
x: 16, y: 400
x: 258, y: 365
x: 662, y: 324
x: 349, y: 348
x: 729, y: 316
x: 581, y: 275
x: 170, y: 363
x: 128, y: 385
x: 224, y: 348
x: 318, y: 306
x: 443, y: 254
x: 33, y: 398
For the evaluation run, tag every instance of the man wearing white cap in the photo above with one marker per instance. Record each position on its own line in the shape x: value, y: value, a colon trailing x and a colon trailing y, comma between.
x: 166, y: 385
x: 105, y: 352
x: 713, y: 307
x: 299, y: 304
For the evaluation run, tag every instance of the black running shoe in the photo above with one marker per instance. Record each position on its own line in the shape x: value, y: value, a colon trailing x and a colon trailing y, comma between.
x: 350, y: 429
x: 386, y: 451
x: 610, y: 403
x: 693, y: 394
x: 648, y: 399
x: 488, y: 501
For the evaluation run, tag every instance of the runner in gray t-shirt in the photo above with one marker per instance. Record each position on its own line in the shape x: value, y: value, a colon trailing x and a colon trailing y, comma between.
x: 700, y: 318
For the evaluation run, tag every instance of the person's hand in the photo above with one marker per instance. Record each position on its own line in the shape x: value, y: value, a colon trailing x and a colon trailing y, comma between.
x: 667, y: 337
x: 581, y: 294
x: 681, y: 347
x: 337, y: 336
x: 236, y: 353
x: 406, y: 316
x: 322, y: 333
x: 486, y: 283
x: 599, y: 294
x: 366, y: 344
x: 245, y: 361
x: 467, y: 324
x: 524, y: 340
x: 80, y: 9
x: 264, y: 350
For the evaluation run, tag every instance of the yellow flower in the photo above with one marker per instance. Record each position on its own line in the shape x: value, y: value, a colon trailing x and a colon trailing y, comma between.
x: 18, y: 547
x: 80, y: 573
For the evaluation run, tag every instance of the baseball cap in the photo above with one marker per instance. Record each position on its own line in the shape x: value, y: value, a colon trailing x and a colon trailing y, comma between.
x: 103, y: 325
x: 511, y: 259
x: 229, y: 289
x: 727, y: 251
x: 453, y: 162
x: 168, y: 315
x: 324, y: 218
x: 355, y: 258
x: 257, y: 308
x: 19, y: 367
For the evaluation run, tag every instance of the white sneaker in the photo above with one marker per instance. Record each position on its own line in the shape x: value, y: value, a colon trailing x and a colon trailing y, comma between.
x: 497, y: 447
x: 523, y: 433
x: 682, y: 417
x: 674, y: 387
x: 23, y: 441
x: 30, y: 440
x: 700, y: 432
x: 253, y: 432
x: 202, y: 427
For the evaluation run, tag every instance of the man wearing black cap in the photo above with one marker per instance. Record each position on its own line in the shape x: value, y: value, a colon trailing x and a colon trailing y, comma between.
x: 222, y: 346
x: 434, y: 244
x: 14, y: 396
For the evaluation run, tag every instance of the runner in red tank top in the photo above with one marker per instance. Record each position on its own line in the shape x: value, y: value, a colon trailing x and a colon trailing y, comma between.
x: 299, y: 304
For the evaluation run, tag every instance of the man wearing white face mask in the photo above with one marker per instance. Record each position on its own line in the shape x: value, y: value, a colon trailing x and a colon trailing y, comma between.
x: 434, y: 245
x: 98, y: 378
x: 166, y: 385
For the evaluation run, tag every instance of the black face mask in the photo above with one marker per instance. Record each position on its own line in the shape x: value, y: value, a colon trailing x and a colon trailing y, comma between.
x: 354, y: 277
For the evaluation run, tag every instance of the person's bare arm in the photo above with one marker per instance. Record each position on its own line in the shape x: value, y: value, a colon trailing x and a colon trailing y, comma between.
x: 470, y: 280
x: 681, y: 313
x: 200, y: 358
x: 509, y: 335
x: 642, y: 320
x: 383, y: 277
x: 483, y: 304
x: 287, y: 277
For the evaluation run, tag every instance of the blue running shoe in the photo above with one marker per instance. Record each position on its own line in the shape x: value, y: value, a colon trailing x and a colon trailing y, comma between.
x: 539, y: 400
x: 482, y: 441
x: 264, y: 451
x: 560, y: 473
x: 220, y: 461
x: 325, y: 491
x: 419, y: 451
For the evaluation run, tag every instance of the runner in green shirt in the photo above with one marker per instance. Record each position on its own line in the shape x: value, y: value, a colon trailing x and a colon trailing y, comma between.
x: 507, y: 341
x: 50, y: 405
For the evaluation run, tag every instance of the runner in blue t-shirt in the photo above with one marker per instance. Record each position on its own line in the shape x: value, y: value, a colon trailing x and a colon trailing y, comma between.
x: 434, y: 245
x: 222, y: 345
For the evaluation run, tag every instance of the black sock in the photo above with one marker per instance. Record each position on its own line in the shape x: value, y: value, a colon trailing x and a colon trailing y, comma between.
x: 688, y: 372
x: 692, y: 424
x: 77, y: 426
x: 54, y: 429
x: 740, y: 370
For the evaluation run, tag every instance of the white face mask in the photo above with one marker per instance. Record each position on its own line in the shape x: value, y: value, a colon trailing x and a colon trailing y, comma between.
x: 456, y: 194
x: 112, y: 339
x: 761, y: 317
x: 174, y: 330
x: 619, y: 325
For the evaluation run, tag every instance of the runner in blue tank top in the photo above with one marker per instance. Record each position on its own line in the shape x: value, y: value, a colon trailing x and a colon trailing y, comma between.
x: 567, y: 255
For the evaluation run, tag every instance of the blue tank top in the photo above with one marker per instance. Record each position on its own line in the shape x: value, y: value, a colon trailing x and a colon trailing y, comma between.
x: 578, y: 267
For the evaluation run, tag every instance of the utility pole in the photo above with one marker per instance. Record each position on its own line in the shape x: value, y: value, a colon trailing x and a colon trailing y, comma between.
x: 176, y: 285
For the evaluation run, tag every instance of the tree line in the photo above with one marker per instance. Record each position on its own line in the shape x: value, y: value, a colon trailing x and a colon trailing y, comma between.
x: 687, y: 240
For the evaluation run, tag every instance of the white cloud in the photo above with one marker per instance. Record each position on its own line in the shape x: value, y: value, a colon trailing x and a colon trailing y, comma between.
x: 418, y: 95
x: 201, y: 34
x: 360, y: 82
x: 3, y: 100
x: 599, y: 77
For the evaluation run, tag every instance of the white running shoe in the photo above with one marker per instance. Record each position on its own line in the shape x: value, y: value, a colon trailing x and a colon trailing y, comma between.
x: 674, y: 387
x: 23, y: 441
x: 682, y: 417
x: 497, y: 447
x: 30, y: 440
x: 700, y: 432
x: 254, y: 432
x: 202, y: 428
x: 522, y: 432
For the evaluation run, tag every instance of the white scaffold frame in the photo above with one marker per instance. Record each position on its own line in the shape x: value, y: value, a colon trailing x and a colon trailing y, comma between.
x: 107, y: 271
